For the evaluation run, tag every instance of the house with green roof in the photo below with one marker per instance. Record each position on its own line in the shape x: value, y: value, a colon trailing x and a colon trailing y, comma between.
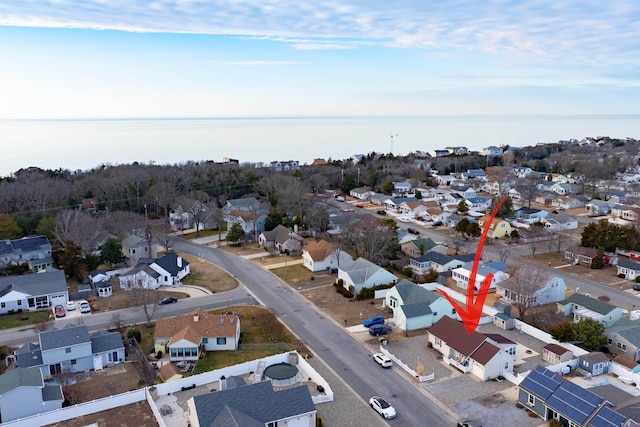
x: 624, y: 338
x: 418, y: 247
x: 415, y: 307
x: 582, y: 307
x: 23, y: 394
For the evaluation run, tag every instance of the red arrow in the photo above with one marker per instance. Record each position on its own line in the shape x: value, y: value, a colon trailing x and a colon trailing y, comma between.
x: 471, y: 316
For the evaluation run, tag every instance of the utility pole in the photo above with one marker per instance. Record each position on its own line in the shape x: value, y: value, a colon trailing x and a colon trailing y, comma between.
x: 392, y: 136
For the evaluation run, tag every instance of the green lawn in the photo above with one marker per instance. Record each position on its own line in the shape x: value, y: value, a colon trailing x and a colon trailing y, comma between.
x: 16, y: 320
x: 221, y: 359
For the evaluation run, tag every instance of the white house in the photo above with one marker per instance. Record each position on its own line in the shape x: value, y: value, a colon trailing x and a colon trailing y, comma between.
x: 250, y: 222
x: 568, y: 202
x: 322, y: 256
x: 553, y: 291
x: 153, y: 273
x: 362, y: 273
x: 33, y: 291
x: 630, y: 269
x: 361, y: 193
x: 558, y: 222
x: 473, y: 353
x: 462, y: 275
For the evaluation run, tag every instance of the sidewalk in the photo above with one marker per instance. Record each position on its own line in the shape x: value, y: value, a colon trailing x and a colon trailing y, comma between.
x: 283, y: 264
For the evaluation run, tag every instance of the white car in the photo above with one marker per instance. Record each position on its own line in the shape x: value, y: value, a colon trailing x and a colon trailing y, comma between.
x: 85, y: 307
x: 382, y: 407
x: 404, y: 219
x: 70, y: 305
x: 382, y: 360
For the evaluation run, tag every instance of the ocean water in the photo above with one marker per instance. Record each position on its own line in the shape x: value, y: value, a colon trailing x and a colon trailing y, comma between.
x: 88, y: 143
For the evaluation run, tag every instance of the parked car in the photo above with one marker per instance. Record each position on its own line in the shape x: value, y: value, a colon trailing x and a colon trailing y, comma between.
x: 374, y: 320
x: 59, y: 311
x: 380, y: 330
x: 84, y: 307
x: 359, y: 205
x: 404, y: 219
x: 340, y: 198
x: 168, y: 300
x: 636, y: 287
x: 381, y: 212
x: 466, y: 422
x: 382, y: 360
x: 437, y: 223
x: 70, y: 305
x: 382, y: 407
x: 413, y: 230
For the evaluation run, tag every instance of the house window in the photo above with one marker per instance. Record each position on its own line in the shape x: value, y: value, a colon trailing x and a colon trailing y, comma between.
x: 19, y: 302
x: 133, y: 251
x: 67, y: 350
x: 73, y: 361
x: 532, y: 400
x: 435, y: 313
x: 3, y: 305
x: 221, y: 341
x: 622, y: 347
x: 205, y: 340
x: 438, y: 342
x: 609, y: 341
x: 109, y: 356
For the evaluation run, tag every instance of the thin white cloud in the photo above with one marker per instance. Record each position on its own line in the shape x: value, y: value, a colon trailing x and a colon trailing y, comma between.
x: 574, y: 30
x: 258, y: 62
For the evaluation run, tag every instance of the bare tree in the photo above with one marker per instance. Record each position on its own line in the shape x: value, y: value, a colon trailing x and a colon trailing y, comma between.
x: 122, y: 223
x: 318, y: 221
x: 43, y: 325
x: 66, y: 375
x: 375, y: 240
x: 457, y: 242
x: 165, y: 238
x: 80, y: 227
x: 503, y: 252
x: 339, y: 246
x: 521, y: 287
x: 535, y: 237
x: 148, y: 299
x: 527, y: 187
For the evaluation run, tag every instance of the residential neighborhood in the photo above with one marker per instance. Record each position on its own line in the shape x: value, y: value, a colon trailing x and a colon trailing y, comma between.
x: 401, y: 256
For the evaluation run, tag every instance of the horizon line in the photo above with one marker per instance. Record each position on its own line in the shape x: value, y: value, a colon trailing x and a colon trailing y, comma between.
x: 362, y: 116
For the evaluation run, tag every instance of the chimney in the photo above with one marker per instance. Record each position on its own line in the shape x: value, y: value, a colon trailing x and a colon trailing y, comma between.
x: 195, y: 318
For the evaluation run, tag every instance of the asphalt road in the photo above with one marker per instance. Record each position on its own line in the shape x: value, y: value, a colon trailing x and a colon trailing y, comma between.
x: 329, y: 341
x: 105, y: 320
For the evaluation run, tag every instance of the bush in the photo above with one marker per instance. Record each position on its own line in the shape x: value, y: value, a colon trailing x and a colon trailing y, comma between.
x: 519, y: 405
x: 408, y: 271
x: 638, y: 279
x: 134, y: 333
x: 532, y: 414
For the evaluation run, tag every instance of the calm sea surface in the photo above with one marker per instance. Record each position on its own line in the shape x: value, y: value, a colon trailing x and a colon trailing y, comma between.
x: 84, y: 144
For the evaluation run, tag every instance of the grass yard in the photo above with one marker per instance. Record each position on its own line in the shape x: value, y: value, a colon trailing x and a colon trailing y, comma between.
x: 16, y: 320
x: 208, y: 276
x: 293, y: 274
x: 221, y: 359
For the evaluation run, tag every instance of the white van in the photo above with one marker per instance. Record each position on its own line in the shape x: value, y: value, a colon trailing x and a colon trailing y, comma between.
x: 340, y: 198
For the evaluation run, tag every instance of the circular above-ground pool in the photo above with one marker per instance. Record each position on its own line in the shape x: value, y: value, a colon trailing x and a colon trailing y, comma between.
x: 281, y: 374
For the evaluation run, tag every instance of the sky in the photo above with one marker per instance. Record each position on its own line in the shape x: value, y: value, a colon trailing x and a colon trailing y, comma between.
x: 217, y: 58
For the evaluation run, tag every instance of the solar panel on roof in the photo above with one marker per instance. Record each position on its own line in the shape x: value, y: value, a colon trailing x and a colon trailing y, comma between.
x: 574, y: 401
x: 607, y: 417
x: 29, y: 243
x: 541, y: 382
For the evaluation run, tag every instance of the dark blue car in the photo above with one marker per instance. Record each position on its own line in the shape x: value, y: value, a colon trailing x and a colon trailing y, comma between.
x: 374, y: 320
x: 376, y: 330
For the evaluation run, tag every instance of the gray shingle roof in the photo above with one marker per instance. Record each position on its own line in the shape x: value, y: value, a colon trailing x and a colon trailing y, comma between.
x: 103, y: 341
x: 65, y: 337
x: 589, y: 303
x: 52, y: 392
x: 412, y: 293
x: 36, y: 284
x: 436, y: 257
x: 416, y: 309
x: 258, y: 401
x: 29, y: 355
x: 20, y: 377
x: 632, y: 265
